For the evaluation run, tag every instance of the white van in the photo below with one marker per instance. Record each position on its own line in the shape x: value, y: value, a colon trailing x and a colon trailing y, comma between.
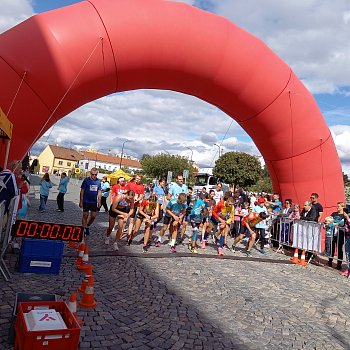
x: 208, y: 181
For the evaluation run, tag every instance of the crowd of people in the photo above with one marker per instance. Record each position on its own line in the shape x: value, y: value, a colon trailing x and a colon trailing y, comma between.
x: 215, y: 215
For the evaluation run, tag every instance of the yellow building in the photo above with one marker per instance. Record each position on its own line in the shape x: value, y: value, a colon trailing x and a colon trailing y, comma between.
x: 55, y: 159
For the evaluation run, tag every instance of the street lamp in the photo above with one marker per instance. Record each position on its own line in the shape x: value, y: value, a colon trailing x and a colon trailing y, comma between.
x: 218, y: 147
x: 191, y: 152
x: 121, y: 158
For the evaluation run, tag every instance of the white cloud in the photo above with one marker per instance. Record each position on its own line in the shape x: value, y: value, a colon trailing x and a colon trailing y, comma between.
x: 155, y: 121
x: 311, y: 36
x: 13, y: 12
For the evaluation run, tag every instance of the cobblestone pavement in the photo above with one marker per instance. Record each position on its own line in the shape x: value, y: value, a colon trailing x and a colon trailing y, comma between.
x: 160, y: 300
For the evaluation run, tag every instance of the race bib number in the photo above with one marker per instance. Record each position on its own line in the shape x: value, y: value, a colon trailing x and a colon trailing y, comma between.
x: 93, y: 188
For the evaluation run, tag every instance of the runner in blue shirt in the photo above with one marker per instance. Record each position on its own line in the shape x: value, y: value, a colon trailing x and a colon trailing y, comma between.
x: 90, y: 199
x: 175, y: 212
x: 177, y: 188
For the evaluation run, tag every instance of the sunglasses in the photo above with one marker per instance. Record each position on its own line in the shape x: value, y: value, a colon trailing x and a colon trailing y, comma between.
x: 93, y: 174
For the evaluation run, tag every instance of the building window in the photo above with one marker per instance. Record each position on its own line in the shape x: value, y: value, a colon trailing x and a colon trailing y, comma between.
x: 69, y: 163
x: 86, y: 166
x: 60, y: 162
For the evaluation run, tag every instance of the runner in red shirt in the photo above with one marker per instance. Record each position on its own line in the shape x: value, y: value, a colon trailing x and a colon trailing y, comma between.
x: 118, y: 188
x: 139, y: 190
x: 248, y: 224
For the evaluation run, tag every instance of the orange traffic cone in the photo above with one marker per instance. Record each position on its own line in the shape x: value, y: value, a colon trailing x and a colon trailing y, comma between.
x: 85, y: 281
x: 80, y: 254
x: 295, y: 258
x: 88, y: 300
x: 72, y: 305
x: 302, y: 259
x: 84, y: 261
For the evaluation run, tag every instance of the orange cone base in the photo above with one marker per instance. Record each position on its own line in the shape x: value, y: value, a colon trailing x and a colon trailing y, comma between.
x: 91, y: 305
x: 302, y: 263
x: 294, y: 260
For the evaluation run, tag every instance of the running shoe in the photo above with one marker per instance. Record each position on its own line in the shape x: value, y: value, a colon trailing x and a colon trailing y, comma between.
x: 158, y: 244
x: 263, y: 251
x: 107, y: 239
x: 203, y: 244
x: 173, y: 249
x: 233, y: 248
x: 220, y: 251
x: 268, y: 235
x: 145, y: 248
x: 194, y: 251
x: 86, y: 231
x: 249, y: 254
x: 115, y: 246
x: 129, y: 242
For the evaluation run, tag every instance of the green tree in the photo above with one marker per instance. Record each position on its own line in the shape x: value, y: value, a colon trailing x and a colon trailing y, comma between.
x: 238, y: 169
x: 157, y: 166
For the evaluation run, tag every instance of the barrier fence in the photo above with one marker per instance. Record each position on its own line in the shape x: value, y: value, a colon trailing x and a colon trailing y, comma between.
x: 310, y: 236
x: 5, y: 234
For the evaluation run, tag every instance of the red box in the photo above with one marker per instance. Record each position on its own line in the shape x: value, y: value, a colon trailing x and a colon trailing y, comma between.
x: 67, y: 339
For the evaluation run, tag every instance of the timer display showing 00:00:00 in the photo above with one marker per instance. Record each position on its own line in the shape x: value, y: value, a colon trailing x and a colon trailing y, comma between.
x: 48, y: 231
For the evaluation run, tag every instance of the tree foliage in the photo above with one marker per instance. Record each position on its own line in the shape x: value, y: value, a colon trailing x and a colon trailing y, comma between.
x: 238, y: 169
x: 264, y: 183
x: 157, y: 166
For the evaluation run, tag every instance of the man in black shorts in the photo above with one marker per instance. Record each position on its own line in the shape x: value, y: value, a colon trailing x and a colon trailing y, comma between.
x: 90, y: 199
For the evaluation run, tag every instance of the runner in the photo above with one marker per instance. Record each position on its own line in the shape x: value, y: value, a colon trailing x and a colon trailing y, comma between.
x: 90, y: 199
x: 191, y: 199
x: 160, y: 192
x: 148, y: 213
x: 177, y: 188
x: 197, y: 214
x: 122, y: 208
x: 223, y: 214
x: 139, y: 190
x: 248, y: 223
x: 118, y: 188
x: 174, y: 191
x: 175, y: 212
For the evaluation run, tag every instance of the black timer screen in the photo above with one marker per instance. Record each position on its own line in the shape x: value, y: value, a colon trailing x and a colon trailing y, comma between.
x: 45, y: 230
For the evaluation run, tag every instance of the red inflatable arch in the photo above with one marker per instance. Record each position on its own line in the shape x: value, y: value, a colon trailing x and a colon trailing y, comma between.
x: 59, y: 60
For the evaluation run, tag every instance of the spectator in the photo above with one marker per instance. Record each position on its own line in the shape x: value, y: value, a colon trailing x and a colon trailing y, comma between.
x: 62, y: 190
x: 45, y: 185
x: 339, y: 218
x: 105, y: 188
x: 309, y: 212
x: 295, y: 214
x: 317, y: 206
x: 261, y: 226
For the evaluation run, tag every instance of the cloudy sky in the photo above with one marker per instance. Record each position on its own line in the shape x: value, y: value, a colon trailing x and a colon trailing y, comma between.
x: 312, y: 36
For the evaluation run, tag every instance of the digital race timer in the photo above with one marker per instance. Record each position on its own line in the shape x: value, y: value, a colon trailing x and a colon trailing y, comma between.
x: 45, y: 230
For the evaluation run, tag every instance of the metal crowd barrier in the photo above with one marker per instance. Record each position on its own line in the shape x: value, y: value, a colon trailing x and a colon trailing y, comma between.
x: 5, y: 235
x: 309, y: 236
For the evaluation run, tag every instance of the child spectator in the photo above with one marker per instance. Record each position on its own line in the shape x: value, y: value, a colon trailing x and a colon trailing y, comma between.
x: 329, y: 225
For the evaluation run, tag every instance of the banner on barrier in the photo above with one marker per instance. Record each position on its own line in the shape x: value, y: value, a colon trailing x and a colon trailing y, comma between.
x: 307, y: 235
